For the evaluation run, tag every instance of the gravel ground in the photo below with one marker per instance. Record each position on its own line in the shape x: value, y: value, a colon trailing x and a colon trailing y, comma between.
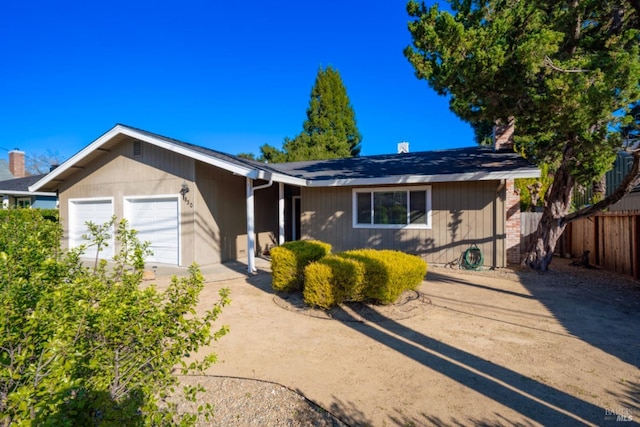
x: 246, y: 402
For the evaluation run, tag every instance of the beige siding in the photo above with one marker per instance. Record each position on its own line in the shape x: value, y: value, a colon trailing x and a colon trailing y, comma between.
x: 117, y: 174
x: 213, y: 224
x: 462, y: 214
x: 221, y: 224
x: 218, y: 192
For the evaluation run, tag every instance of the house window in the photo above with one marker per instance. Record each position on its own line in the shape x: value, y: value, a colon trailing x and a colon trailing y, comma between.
x: 23, y: 202
x: 406, y: 207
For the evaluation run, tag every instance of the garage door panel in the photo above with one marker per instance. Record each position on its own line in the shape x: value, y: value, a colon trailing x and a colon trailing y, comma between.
x: 96, y: 211
x: 156, y: 221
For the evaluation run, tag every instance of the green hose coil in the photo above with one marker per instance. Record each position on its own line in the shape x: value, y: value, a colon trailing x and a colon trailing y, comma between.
x: 473, y: 258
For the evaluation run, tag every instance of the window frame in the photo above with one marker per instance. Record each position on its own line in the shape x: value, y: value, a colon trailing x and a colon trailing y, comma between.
x: 407, y: 189
x: 23, y: 202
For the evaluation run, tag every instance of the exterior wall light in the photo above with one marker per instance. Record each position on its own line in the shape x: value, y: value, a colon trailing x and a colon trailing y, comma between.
x: 184, y: 189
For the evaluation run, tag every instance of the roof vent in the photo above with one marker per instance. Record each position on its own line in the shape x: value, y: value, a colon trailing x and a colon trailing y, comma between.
x: 403, y: 147
x: 137, y: 148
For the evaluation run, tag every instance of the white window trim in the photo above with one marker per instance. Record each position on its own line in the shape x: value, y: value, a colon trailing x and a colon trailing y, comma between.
x: 354, y: 201
x: 23, y: 199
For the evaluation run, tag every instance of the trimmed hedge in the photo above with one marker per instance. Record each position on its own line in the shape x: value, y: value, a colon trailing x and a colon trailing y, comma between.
x: 388, y: 273
x: 289, y: 260
x: 333, y: 280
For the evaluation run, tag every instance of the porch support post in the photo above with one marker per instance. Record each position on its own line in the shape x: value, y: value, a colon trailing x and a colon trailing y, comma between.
x: 251, y: 238
x: 280, y: 213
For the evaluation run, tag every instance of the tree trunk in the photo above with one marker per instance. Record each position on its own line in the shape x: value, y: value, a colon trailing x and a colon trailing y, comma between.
x: 556, y: 216
x: 558, y: 201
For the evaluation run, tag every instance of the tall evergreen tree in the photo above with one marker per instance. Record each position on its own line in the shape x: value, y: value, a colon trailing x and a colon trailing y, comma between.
x: 567, y: 70
x: 330, y: 130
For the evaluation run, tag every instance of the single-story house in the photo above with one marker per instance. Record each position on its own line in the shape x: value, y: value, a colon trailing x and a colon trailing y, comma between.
x: 15, y: 193
x: 15, y: 183
x: 195, y: 204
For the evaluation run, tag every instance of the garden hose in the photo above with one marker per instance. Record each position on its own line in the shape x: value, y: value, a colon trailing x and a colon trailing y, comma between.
x: 473, y: 258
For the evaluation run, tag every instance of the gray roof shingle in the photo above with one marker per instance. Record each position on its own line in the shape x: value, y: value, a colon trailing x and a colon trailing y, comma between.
x: 459, y: 161
x: 19, y: 184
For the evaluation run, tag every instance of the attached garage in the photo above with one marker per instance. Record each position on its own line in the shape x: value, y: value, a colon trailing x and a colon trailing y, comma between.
x: 96, y: 211
x: 195, y: 204
x: 156, y: 221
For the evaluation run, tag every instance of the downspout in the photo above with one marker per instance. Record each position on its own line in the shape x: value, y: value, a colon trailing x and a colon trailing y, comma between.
x: 251, y: 237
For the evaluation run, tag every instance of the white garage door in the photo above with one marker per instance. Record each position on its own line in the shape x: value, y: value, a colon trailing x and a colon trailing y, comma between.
x: 156, y: 221
x: 97, y: 211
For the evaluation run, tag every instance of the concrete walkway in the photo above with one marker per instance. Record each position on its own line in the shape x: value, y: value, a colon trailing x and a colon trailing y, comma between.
x: 160, y: 273
x: 489, y: 351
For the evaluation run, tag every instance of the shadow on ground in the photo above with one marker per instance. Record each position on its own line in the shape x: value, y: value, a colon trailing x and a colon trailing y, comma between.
x: 604, y: 317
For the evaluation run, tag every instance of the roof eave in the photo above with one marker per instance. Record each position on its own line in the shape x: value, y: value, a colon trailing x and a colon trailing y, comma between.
x: 27, y: 193
x: 426, y: 179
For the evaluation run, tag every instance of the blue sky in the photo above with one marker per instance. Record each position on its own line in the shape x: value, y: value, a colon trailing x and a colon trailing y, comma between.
x: 226, y: 75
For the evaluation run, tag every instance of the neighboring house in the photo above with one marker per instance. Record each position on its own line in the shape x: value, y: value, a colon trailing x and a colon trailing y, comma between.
x: 613, y: 178
x: 622, y: 165
x: 15, y: 168
x: 15, y: 193
x: 14, y: 185
x: 195, y: 204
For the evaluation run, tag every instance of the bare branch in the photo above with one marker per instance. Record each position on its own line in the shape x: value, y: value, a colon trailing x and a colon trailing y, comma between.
x: 548, y: 62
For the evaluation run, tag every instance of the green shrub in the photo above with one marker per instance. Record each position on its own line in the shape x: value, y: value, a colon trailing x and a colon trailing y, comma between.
x: 333, y: 280
x: 289, y: 260
x: 84, y: 346
x: 318, y: 286
x: 388, y: 273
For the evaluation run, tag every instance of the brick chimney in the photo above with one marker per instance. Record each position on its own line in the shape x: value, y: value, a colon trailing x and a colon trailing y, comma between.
x: 16, y: 163
x: 503, y: 134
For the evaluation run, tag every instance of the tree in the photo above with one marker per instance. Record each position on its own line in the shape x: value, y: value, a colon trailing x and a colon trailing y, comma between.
x: 631, y: 127
x: 568, y: 71
x: 330, y: 130
x: 41, y: 163
x: 248, y: 156
x: 90, y: 346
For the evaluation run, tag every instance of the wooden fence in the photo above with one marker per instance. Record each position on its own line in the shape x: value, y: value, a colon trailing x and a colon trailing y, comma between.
x: 528, y: 225
x: 611, y: 238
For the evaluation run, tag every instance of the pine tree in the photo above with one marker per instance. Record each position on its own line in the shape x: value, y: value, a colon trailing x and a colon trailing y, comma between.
x: 568, y: 71
x: 330, y: 130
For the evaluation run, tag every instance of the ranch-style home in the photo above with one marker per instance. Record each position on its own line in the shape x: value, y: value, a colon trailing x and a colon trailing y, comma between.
x: 15, y: 183
x: 194, y: 204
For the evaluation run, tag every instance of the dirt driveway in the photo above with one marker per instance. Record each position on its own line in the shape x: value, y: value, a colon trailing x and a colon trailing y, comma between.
x: 491, y: 349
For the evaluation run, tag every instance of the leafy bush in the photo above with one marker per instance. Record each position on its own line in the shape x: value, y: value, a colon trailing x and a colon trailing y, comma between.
x: 83, y: 346
x: 333, y: 280
x: 289, y: 260
x: 319, y: 287
x: 388, y: 273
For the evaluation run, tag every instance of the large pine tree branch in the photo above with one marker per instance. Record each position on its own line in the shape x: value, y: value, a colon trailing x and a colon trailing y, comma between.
x: 630, y: 181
